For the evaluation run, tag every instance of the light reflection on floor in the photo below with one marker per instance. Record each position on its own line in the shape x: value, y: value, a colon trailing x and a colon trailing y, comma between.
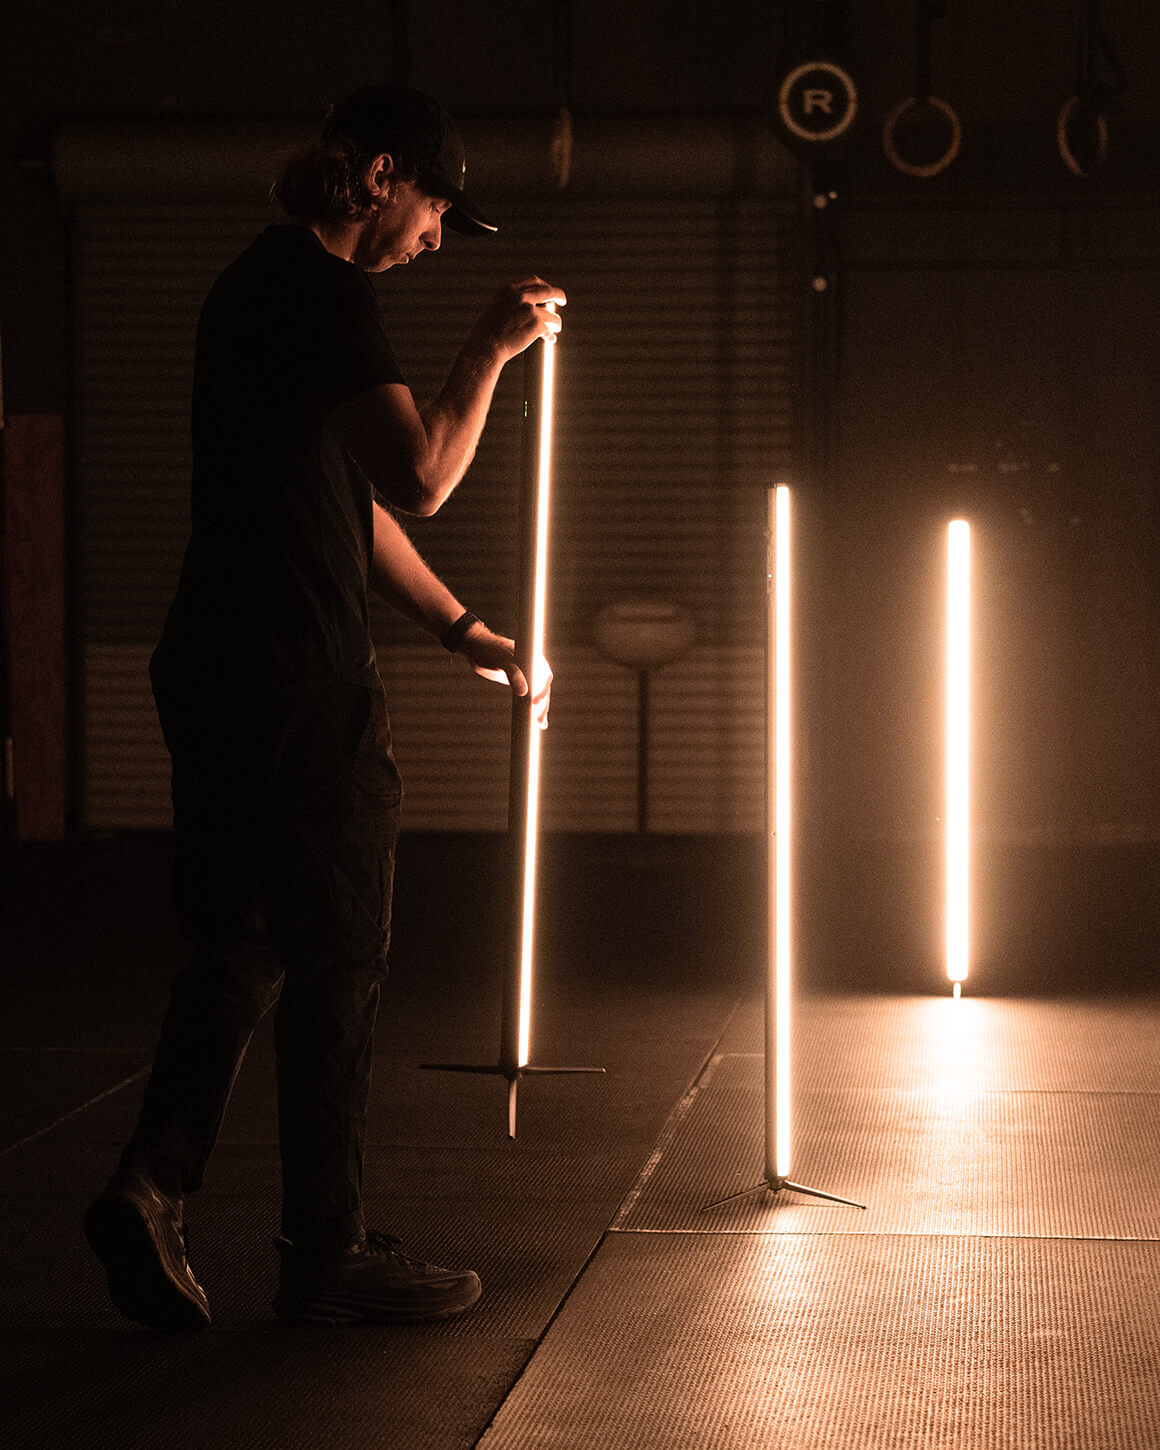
x: 998, y: 1292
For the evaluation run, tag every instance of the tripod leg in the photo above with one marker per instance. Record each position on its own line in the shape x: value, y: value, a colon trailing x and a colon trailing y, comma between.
x: 513, y: 1083
x: 817, y: 1193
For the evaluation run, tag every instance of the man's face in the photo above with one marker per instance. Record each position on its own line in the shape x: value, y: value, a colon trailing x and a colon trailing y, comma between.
x: 407, y: 222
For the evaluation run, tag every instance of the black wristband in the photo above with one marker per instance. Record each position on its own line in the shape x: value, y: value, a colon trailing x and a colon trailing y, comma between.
x: 454, y: 635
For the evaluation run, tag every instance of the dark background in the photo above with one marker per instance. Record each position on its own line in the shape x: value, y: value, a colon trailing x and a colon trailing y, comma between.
x: 1005, y: 68
x: 984, y: 341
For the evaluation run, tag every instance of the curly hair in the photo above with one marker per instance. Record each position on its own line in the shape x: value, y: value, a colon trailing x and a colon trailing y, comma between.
x: 324, y: 182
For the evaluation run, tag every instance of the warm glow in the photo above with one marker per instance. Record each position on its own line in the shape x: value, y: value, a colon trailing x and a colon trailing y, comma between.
x: 960, y: 1043
x: 536, y: 652
x: 779, y: 813
x: 958, y: 748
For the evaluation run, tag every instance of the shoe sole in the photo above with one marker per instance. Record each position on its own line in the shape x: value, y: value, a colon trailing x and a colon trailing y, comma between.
x: 331, y: 1312
x: 141, y: 1285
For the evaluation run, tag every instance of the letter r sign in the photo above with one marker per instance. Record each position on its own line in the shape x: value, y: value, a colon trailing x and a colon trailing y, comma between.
x: 817, y: 101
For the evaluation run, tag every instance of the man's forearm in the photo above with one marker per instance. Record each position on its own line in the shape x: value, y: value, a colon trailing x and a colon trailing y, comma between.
x: 416, y: 456
x: 399, y: 575
x: 455, y: 418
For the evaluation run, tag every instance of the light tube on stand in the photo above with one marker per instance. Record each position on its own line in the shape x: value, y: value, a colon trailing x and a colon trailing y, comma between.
x: 780, y: 818
x: 779, y: 847
x: 524, y: 760
x: 532, y: 667
x: 958, y: 752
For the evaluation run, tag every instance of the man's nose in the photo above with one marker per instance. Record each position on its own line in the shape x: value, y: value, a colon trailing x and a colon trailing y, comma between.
x: 433, y: 235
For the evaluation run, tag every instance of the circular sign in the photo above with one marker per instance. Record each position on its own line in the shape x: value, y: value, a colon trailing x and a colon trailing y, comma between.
x: 818, y: 101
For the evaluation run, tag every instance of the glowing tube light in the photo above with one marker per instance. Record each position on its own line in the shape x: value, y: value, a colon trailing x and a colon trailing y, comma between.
x: 533, y: 656
x: 779, y: 825
x: 958, y: 748
x: 779, y: 858
x: 524, y: 760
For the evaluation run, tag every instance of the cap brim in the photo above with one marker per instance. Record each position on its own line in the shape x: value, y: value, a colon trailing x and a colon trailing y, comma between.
x: 462, y: 216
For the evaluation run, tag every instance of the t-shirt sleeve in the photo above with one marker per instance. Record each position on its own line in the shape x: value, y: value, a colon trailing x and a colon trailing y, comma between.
x: 354, y: 354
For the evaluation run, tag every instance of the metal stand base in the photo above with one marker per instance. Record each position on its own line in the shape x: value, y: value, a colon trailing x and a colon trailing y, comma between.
x: 512, y: 1075
x: 776, y: 1185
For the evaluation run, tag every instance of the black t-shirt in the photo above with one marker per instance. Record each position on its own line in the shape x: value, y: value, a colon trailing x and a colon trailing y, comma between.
x: 273, y: 590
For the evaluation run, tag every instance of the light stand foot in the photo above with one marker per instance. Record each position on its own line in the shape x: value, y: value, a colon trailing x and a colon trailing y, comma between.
x: 512, y: 1075
x: 776, y: 1185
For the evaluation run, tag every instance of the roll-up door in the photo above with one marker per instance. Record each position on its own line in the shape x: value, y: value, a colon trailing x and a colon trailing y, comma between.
x: 675, y: 410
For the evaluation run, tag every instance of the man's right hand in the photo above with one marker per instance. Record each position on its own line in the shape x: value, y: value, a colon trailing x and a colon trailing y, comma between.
x: 518, y: 316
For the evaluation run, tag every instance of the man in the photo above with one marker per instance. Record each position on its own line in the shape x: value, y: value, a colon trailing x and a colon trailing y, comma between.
x: 285, y: 793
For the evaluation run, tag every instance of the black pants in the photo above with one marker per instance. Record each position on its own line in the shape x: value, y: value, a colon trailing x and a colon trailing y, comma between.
x: 286, y: 819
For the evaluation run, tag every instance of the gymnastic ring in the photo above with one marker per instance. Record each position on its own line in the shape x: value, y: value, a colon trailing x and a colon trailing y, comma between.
x: 1066, y: 112
x: 908, y: 167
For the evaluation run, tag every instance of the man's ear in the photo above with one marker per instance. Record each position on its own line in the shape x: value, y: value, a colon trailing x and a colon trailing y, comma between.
x: 379, y: 172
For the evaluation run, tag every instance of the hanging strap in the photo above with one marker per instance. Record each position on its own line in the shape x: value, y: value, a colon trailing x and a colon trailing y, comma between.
x: 1081, y: 128
x: 1098, y: 93
x: 926, y: 12
x: 834, y: 25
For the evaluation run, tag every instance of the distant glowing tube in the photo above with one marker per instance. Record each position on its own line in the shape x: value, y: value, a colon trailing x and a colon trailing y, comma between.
x: 958, y: 751
x: 779, y: 824
x: 535, y: 656
x: 783, y: 822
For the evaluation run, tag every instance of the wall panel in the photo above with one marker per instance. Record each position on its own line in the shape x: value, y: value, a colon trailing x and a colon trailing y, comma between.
x: 675, y: 410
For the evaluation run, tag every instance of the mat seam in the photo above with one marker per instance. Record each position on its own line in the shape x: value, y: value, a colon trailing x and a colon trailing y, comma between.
x: 758, y: 1233
x: 698, y: 1081
x: 74, y: 1112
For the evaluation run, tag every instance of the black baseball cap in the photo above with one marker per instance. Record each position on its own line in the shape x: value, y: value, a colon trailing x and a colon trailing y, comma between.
x: 401, y: 119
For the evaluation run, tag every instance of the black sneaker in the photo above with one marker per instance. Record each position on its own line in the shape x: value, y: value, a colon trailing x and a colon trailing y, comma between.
x: 137, y: 1233
x: 371, y: 1283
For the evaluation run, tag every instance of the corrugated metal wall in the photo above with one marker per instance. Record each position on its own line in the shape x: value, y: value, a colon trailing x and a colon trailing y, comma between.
x: 675, y: 411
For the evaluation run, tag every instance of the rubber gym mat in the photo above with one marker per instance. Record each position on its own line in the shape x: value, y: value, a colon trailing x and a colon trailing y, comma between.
x: 725, y: 1342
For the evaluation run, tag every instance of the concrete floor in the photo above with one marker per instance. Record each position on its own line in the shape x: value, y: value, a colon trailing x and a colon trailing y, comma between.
x: 999, y: 1290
